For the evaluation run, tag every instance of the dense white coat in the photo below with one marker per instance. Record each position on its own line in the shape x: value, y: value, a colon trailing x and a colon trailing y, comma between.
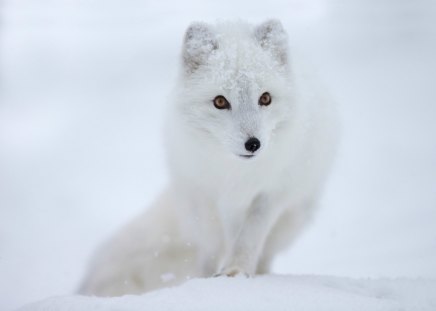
x: 224, y: 214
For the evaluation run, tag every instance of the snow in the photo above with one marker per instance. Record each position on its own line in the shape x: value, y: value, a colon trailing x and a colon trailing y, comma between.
x: 266, y: 293
x: 82, y: 92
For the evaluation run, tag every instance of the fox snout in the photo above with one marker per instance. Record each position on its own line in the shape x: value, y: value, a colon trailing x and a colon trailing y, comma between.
x: 252, y: 144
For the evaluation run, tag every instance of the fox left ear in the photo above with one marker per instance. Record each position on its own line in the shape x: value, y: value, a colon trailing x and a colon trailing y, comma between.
x: 272, y: 37
x: 200, y: 41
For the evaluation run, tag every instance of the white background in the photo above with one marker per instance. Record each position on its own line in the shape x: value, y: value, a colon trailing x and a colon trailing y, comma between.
x: 83, y: 88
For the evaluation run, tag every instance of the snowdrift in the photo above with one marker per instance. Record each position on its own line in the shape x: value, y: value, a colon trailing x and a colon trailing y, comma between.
x: 266, y: 293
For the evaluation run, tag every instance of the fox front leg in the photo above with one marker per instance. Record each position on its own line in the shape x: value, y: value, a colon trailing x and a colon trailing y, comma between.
x: 245, y: 250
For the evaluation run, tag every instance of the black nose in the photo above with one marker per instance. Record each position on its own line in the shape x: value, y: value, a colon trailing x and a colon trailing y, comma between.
x: 252, y: 144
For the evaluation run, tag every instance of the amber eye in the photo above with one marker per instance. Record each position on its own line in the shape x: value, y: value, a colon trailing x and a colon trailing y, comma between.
x: 221, y: 102
x: 265, y: 99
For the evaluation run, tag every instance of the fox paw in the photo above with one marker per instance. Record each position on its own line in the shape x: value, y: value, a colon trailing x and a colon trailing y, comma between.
x: 232, y: 272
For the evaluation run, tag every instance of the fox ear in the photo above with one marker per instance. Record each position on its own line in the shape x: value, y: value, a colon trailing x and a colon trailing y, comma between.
x: 199, y: 43
x: 272, y: 37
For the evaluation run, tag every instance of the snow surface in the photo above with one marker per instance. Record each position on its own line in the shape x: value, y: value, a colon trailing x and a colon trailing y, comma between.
x: 265, y: 293
x: 82, y: 92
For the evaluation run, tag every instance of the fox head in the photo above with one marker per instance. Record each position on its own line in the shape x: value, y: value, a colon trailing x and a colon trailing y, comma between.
x: 236, y: 84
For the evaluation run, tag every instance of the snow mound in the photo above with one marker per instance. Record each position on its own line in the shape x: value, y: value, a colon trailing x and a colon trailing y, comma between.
x: 269, y: 292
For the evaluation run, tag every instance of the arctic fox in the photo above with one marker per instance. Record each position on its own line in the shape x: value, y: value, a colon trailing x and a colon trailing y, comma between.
x: 249, y: 145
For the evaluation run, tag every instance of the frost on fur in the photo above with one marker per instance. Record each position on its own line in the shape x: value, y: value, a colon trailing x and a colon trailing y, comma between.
x: 199, y: 42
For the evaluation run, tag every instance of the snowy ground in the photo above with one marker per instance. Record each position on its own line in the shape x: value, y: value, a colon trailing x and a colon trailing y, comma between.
x: 82, y: 92
x: 277, y: 293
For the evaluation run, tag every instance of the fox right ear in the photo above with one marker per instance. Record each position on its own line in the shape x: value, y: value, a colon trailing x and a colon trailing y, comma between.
x: 199, y: 43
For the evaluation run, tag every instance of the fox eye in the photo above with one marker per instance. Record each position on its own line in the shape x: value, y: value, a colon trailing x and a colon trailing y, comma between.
x: 220, y: 102
x: 265, y: 99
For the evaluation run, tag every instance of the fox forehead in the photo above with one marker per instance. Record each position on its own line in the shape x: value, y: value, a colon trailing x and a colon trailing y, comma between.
x: 243, y: 78
x: 242, y: 64
x: 236, y: 60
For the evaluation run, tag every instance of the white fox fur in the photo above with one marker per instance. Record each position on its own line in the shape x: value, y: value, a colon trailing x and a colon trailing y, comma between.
x: 223, y: 213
